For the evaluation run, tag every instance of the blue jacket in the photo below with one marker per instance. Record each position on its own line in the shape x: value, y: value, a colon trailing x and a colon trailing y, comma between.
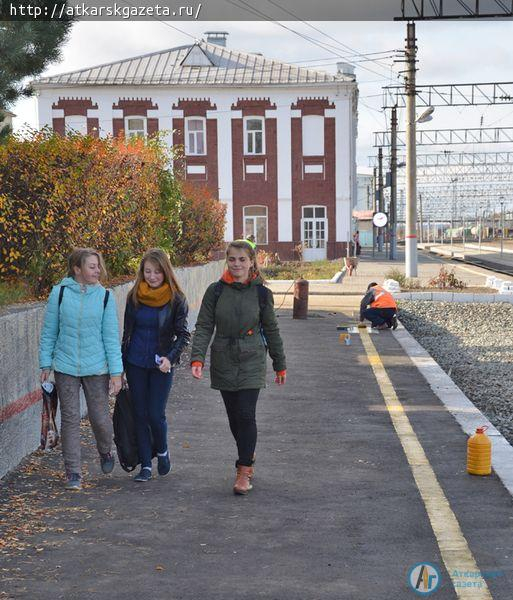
x: 144, y: 341
x: 172, y: 333
x: 80, y: 337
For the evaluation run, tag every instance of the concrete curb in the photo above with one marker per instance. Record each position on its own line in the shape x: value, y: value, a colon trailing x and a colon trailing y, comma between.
x: 462, y: 409
x: 454, y: 297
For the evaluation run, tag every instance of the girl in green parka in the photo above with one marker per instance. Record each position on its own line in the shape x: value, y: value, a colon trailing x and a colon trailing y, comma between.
x: 241, y: 310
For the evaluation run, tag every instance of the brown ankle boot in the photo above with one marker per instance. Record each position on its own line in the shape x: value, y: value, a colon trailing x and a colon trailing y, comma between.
x: 242, y: 483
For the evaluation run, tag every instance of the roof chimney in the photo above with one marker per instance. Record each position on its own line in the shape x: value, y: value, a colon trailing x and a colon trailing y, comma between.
x: 217, y: 37
x: 345, y: 69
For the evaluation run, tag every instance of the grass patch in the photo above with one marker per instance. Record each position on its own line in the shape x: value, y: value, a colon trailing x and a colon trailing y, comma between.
x: 406, y: 283
x: 11, y: 292
x: 319, y: 269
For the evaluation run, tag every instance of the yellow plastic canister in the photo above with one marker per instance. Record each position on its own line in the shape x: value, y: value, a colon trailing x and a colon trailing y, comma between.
x: 479, y: 453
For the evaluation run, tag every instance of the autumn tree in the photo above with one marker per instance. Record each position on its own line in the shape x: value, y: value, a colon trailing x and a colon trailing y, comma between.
x: 192, y: 221
x: 27, y: 47
x: 59, y: 192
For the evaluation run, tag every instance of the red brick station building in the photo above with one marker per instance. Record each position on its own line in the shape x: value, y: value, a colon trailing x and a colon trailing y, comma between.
x: 273, y: 141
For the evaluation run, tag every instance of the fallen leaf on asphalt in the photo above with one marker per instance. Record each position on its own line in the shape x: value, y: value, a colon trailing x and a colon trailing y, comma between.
x: 159, y: 568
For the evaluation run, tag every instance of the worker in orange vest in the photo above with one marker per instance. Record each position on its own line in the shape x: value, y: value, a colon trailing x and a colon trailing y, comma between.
x: 379, y: 307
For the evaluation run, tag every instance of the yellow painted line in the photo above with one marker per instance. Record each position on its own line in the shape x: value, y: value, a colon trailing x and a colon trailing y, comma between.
x: 485, y: 274
x: 454, y: 549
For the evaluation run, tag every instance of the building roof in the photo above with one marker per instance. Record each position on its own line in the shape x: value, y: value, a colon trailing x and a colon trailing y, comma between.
x: 363, y: 215
x: 198, y: 64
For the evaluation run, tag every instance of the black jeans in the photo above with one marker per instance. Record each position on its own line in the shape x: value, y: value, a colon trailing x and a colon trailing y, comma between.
x: 241, y: 411
x: 378, y: 316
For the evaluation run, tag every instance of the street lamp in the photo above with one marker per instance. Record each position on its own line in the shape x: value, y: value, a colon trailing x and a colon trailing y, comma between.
x: 426, y: 115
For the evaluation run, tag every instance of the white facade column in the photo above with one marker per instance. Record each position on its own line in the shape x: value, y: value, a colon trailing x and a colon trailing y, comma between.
x: 105, y: 113
x: 284, y: 157
x: 45, y: 100
x: 224, y: 161
x: 343, y: 161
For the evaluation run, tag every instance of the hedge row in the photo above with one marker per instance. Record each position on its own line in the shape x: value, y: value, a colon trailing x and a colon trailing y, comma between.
x: 112, y: 194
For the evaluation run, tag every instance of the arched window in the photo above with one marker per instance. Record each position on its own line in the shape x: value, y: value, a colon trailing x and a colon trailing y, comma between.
x: 135, y: 126
x: 313, y: 135
x: 195, y: 136
x: 76, y: 124
x: 255, y: 223
x: 254, y: 135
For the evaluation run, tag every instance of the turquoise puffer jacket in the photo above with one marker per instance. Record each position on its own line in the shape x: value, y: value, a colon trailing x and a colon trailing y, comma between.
x: 80, y: 337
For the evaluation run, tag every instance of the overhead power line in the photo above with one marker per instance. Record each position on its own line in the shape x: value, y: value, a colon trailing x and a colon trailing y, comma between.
x: 421, y: 10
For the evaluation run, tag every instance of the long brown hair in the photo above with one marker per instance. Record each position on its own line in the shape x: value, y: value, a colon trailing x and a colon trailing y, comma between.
x: 78, y: 257
x: 161, y: 259
x: 251, y: 252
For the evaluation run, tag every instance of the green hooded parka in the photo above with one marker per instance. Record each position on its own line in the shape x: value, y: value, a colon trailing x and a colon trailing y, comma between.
x: 238, y: 354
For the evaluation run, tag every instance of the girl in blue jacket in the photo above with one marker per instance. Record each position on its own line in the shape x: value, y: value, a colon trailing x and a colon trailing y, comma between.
x: 80, y: 342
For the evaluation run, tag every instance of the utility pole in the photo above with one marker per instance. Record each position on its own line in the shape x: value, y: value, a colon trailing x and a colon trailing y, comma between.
x: 374, y: 206
x: 411, y: 156
x: 393, y: 186
x: 421, y: 229
x: 380, y: 196
x: 502, y: 227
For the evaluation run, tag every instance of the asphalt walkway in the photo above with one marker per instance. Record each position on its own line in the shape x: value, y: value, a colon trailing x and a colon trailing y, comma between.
x: 343, y: 504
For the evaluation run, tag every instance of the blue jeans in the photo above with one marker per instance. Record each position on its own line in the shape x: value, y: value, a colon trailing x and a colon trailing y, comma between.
x: 149, y: 389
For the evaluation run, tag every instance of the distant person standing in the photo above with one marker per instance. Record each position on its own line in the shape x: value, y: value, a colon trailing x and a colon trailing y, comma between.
x: 80, y: 342
x: 356, y: 241
x: 379, y: 307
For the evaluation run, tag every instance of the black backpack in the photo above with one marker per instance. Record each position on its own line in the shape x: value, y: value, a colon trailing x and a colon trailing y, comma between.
x: 61, y: 295
x: 125, y: 437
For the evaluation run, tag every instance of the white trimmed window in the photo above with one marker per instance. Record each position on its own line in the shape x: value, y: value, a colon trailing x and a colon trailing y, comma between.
x: 135, y: 127
x: 195, y: 135
x: 254, y: 136
x: 75, y: 124
x: 255, y: 223
x: 313, y: 135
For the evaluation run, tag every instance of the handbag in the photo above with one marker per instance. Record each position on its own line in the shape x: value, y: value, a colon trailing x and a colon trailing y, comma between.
x: 125, y: 437
x: 49, y: 431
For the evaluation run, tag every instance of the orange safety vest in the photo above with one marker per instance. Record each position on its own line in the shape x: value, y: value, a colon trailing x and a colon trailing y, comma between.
x: 382, y: 298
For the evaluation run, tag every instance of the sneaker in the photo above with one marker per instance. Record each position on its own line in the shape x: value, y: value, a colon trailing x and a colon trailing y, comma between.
x: 164, y: 464
x: 143, y: 475
x: 106, y: 462
x: 73, y: 482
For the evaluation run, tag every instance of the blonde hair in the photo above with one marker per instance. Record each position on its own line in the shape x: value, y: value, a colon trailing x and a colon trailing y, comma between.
x: 161, y: 259
x: 250, y: 249
x: 78, y: 257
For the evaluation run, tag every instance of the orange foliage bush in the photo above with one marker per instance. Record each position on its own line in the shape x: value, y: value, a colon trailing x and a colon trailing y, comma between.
x: 59, y: 192
x: 113, y: 194
x: 193, y: 222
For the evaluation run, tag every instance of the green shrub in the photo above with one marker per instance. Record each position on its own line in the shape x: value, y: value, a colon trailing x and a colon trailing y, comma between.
x: 405, y: 283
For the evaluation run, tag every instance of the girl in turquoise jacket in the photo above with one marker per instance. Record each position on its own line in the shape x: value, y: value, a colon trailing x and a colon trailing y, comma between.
x: 80, y: 343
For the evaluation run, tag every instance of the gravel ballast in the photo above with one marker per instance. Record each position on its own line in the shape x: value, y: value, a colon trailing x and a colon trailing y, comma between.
x: 473, y: 343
